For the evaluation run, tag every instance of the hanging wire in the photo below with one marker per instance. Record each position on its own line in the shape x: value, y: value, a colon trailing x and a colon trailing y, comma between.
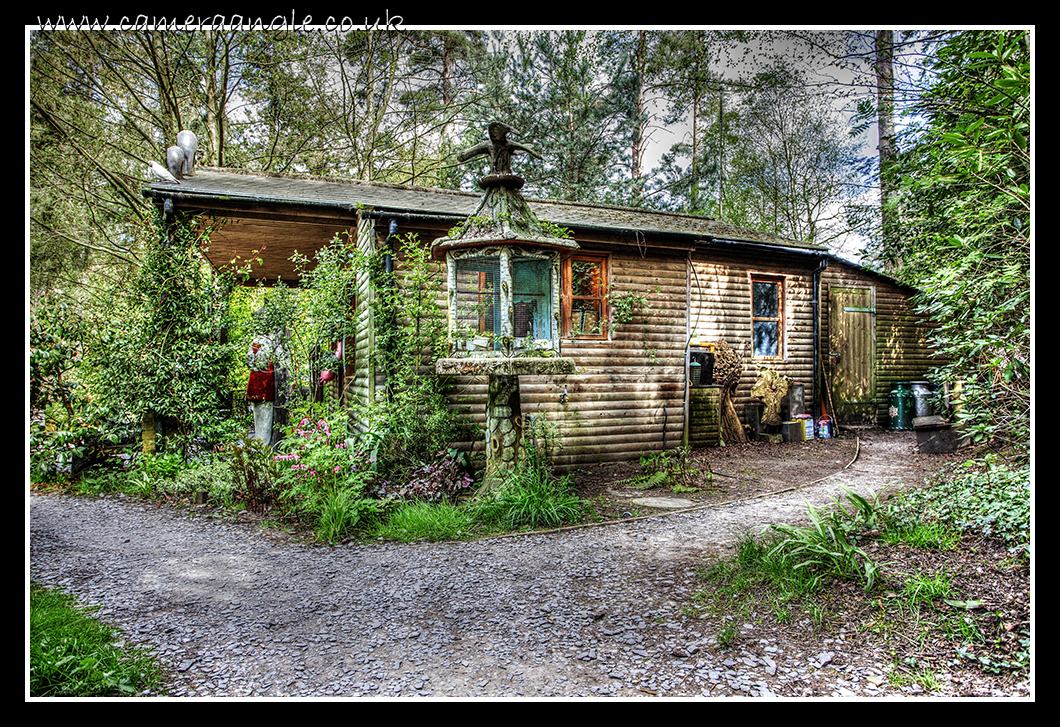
x: 642, y: 245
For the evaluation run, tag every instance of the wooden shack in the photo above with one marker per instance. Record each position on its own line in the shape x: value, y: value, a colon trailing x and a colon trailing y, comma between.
x: 662, y: 280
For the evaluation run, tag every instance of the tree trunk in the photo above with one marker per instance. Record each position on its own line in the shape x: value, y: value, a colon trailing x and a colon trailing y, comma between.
x: 149, y: 433
x: 885, y: 125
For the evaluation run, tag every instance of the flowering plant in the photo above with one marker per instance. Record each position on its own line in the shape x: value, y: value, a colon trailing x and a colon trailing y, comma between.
x: 324, y: 477
x: 316, y: 457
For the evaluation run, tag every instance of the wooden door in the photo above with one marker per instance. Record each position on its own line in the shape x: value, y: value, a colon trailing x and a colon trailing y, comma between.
x: 852, y: 354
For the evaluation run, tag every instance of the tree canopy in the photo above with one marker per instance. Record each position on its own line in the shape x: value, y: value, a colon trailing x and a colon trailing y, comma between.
x: 393, y: 106
x: 754, y: 129
x: 964, y: 209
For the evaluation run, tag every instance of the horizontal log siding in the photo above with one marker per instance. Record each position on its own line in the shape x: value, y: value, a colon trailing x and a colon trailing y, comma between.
x: 627, y: 396
x: 902, y: 349
x: 721, y: 311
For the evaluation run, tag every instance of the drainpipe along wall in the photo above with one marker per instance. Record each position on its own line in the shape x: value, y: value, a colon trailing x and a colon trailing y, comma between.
x: 817, y: 391
x: 389, y: 267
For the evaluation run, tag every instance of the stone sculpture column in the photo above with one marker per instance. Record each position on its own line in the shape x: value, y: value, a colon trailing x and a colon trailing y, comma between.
x: 504, y: 427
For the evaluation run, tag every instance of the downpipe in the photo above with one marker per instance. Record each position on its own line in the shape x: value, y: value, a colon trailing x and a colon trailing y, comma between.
x: 817, y: 393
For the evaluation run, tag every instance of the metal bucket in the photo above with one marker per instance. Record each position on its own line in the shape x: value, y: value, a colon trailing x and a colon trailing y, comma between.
x: 922, y: 391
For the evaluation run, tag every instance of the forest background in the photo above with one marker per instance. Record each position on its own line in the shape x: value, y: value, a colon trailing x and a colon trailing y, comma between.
x: 908, y: 150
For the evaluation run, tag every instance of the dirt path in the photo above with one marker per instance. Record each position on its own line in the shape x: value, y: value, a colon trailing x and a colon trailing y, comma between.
x: 764, y: 484
x: 598, y: 611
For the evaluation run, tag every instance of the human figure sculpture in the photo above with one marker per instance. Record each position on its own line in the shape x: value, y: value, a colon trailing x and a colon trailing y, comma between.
x: 268, y: 354
x: 499, y: 148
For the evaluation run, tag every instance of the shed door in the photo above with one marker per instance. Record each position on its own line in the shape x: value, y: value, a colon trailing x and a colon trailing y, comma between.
x: 852, y: 322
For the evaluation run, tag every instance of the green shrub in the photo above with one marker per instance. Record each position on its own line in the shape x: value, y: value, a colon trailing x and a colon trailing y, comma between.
x: 984, y: 496
x: 213, y: 477
x: 673, y: 468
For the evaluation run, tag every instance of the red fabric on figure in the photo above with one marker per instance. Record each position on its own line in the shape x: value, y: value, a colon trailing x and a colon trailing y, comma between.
x: 262, y: 385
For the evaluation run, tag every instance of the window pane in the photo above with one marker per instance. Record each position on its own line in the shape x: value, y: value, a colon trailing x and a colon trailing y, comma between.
x: 765, y: 300
x: 766, y: 336
x: 585, y: 277
x: 478, y: 296
x: 531, y: 299
x: 585, y: 317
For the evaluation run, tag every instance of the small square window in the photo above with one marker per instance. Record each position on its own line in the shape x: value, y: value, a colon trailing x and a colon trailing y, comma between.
x: 585, y: 303
x: 767, y: 317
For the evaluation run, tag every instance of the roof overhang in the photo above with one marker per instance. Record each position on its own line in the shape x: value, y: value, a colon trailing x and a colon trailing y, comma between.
x: 261, y: 235
x: 265, y: 220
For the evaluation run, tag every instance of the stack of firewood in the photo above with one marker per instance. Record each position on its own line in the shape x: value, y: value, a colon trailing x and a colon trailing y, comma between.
x: 727, y: 368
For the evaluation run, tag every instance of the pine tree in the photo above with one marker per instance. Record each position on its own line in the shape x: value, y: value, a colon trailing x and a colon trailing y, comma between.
x: 558, y: 92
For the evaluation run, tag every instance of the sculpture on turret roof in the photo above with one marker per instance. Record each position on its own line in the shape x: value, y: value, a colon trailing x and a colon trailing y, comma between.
x: 500, y: 150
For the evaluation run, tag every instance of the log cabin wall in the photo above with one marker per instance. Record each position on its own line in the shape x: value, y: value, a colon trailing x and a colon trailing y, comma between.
x: 720, y: 310
x: 628, y: 395
x: 902, y: 351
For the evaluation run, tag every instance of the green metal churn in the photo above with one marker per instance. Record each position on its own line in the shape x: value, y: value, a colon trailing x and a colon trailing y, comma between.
x: 902, y: 403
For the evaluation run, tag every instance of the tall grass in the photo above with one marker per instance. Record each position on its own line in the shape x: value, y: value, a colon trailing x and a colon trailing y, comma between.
x: 531, y: 497
x: 421, y: 520
x: 827, y: 547
x: 73, y: 655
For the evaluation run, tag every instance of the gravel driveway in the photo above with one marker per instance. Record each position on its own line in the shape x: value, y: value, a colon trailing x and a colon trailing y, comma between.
x: 588, y: 612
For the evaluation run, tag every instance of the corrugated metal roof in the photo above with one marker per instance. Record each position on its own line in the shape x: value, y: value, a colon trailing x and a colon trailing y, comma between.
x: 237, y: 186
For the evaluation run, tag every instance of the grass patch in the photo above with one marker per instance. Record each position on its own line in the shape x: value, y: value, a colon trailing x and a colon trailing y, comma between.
x: 415, y: 521
x: 531, y: 497
x: 74, y: 655
x: 924, y: 535
x: 937, y: 584
x: 756, y: 580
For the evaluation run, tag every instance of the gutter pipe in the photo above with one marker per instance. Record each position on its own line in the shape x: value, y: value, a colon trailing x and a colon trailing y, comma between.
x: 817, y: 338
